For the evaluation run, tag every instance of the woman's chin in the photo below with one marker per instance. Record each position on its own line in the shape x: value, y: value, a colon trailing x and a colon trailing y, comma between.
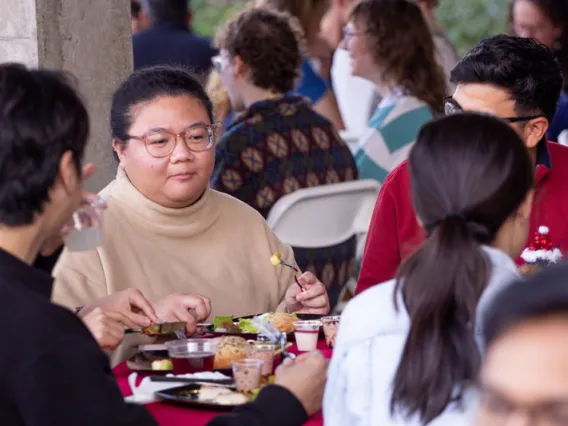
x: 185, y: 194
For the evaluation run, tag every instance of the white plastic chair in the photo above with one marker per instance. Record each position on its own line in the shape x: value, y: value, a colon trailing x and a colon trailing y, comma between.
x: 563, y: 138
x: 326, y: 215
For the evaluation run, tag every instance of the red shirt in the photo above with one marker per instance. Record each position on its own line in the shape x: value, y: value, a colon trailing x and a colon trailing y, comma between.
x: 394, y: 232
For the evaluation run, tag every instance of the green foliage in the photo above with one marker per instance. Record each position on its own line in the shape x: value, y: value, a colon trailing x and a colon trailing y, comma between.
x: 210, y: 14
x: 466, y: 22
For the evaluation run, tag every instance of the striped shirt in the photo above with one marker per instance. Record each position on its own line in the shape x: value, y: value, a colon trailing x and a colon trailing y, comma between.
x: 392, y: 131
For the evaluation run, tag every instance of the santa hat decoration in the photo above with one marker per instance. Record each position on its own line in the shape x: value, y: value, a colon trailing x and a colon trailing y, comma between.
x: 540, y: 250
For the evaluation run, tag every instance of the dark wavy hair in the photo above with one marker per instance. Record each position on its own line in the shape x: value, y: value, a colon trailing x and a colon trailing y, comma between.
x: 41, y: 117
x: 270, y: 43
x: 469, y: 173
x: 521, y: 66
x: 402, y: 44
x: 557, y: 12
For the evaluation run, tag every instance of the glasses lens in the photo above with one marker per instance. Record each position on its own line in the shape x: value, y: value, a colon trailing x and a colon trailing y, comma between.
x: 198, y: 138
x: 217, y: 64
x: 160, y: 144
x: 451, y: 108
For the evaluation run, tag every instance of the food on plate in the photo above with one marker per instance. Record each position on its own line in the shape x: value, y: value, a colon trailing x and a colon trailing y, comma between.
x: 280, y: 320
x: 220, y: 395
x: 162, y: 365
x: 229, y: 349
x: 233, y: 398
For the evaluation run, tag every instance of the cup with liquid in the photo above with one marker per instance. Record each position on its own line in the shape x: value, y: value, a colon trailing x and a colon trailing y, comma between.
x: 263, y: 351
x: 192, y: 355
x: 84, y: 231
x: 246, y: 373
x: 330, y: 325
x: 306, y: 334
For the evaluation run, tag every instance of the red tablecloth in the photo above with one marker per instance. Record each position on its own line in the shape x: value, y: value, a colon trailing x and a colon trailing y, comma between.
x: 174, y: 415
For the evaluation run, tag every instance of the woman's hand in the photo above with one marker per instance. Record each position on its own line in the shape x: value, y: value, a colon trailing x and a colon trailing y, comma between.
x: 176, y: 307
x: 106, y: 327
x: 312, y: 301
x: 136, y: 311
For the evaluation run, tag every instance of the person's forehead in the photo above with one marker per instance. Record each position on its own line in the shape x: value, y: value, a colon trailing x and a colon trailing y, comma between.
x: 484, y: 98
x: 529, y: 363
x: 168, y: 112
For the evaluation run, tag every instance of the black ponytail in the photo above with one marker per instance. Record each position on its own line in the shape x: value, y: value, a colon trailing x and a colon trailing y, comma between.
x: 469, y: 173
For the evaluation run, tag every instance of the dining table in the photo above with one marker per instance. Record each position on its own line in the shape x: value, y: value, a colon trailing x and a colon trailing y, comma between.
x: 166, y: 413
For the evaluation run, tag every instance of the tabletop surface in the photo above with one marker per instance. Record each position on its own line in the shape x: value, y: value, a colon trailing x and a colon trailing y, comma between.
x: 178, y: 415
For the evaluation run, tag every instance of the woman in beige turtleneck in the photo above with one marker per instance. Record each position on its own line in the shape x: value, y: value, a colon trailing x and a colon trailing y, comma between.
x: 166, y: 232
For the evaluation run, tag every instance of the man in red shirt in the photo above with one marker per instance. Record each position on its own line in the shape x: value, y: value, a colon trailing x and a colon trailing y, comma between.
x: 509, y: 77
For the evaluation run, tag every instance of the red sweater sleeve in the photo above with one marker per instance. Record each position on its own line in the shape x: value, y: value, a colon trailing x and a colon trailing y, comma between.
x: 382, y: 255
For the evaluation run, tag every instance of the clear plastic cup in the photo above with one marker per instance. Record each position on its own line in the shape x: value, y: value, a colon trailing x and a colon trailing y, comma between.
x: 306, y: 333
x: 330, y: 325
x: 263, y: 351
x: 247, y: 373
x: 192, y: 355
x: 84, y: 231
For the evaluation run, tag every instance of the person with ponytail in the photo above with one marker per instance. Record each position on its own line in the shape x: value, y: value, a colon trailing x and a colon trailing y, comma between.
x: 407, y: 350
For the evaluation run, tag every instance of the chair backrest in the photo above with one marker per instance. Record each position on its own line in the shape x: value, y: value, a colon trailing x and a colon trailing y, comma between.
x: 323, y: 216
x: 563, y: 138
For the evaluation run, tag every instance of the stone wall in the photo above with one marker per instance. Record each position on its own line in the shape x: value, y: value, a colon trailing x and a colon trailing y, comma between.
x: 89, y: 38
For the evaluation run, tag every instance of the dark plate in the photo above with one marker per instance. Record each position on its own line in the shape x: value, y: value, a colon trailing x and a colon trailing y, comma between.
x: 188, y: 395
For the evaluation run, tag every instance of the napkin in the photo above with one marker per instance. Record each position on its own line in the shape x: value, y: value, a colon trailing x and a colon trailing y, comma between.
x: 144, y: 393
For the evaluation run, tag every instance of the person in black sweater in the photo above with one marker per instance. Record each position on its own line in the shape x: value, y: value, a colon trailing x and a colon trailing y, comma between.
x: 53, y: 371
x: 167, y: 39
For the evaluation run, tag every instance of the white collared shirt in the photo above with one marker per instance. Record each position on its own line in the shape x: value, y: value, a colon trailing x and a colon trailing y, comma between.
x: 368, y: 347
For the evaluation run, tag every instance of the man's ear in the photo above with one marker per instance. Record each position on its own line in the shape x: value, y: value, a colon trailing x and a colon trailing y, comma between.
x: 239, y: 68
x: 534, y: 131
x: 67, y: 172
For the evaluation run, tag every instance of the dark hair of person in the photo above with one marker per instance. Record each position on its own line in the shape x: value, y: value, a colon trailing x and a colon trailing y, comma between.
x: 148, y: 84
x: 542, y: 295
x: 134, y: 8
x: 270, y: 43
x: 469, y: 173
x: 521, y: 66
x: 399, y: 38
x: 303, y: 10
x: 557, y: 12
x: 166, y: 10
x: 41, y: 118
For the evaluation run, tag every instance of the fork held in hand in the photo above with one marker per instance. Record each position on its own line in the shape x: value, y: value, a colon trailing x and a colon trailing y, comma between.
x: 289, y: 265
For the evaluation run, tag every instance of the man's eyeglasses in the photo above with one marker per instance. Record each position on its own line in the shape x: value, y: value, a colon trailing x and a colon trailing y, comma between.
x: 217, y: 62
x: 451, y: 106
x: 350, y: 32
x: 161, y: 143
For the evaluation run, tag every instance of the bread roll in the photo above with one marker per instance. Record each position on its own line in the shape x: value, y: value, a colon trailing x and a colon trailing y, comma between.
x: 229, y: 349
x: 283, y: 321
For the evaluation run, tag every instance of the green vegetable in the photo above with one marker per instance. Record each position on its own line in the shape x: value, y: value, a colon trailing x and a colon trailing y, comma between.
x: 219, y: 321
x: 254, y: 394
x: 246, y: 326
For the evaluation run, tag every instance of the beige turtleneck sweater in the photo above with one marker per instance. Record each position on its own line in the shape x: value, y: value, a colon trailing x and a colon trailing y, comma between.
x: 219, y: 248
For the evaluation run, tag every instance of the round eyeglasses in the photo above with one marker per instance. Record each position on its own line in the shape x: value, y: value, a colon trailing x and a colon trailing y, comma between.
x: 161, y: 143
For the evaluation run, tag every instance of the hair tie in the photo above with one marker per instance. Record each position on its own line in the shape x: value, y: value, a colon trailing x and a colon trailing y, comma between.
x: 476, y: 229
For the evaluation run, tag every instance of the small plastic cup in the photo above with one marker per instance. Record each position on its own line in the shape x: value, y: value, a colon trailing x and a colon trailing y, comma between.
x: 246, y: 373
x: 192, y: 355
x: 306, y: 333
x: 263, y: 351
x: 84, y: 231
x: 330, y: 325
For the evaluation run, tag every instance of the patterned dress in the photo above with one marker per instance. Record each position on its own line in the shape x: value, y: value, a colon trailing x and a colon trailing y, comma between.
x: 276, y: 147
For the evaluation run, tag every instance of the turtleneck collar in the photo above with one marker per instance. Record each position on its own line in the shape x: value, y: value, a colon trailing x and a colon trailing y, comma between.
x: 180, y: 223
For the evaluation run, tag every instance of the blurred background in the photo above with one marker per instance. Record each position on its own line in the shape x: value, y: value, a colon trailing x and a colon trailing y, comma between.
x: 465, y: 21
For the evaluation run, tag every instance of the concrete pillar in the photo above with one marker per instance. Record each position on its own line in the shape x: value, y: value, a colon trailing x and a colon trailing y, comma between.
x: 89, y: 38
